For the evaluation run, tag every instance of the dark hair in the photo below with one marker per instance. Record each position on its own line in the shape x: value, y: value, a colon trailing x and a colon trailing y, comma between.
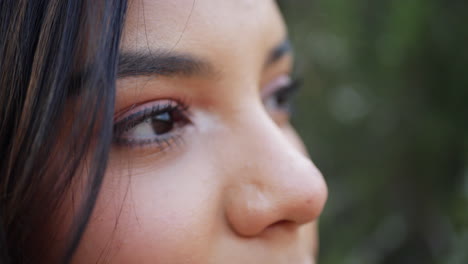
x: 58, y: 61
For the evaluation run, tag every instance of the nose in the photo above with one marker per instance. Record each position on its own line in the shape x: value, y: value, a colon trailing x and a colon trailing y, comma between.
x: 274, y: 184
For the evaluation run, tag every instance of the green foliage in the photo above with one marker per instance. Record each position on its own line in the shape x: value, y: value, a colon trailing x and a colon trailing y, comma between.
x: 384, y: 114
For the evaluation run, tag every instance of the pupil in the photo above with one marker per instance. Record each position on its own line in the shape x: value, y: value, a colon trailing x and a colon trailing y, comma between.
x: 162, y: 123
x: 281, y: 100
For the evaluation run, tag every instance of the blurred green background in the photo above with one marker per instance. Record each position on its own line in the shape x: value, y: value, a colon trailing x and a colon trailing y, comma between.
x: 384, y: 114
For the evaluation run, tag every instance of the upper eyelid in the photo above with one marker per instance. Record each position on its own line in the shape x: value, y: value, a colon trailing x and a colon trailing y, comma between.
x: 141, y: 107
x: 138, y: 116
x: 275, y: 84
x: 290, y: 90
x: 282, y: 66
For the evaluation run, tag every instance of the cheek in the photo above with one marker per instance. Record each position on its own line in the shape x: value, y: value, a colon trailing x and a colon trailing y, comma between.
x: 311, y: 239
x: 153, y: 215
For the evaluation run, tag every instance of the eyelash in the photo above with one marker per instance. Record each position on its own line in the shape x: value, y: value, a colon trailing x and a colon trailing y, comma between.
x: 284, y: 97
x: 177, y: 111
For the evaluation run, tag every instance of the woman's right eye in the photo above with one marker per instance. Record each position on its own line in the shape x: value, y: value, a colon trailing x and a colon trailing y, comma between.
x: 158, y: 124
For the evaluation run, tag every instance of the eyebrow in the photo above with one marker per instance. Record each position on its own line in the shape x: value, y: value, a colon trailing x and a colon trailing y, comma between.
x: 179, y: 64
x: 155, y: 63
x: 279, y: 51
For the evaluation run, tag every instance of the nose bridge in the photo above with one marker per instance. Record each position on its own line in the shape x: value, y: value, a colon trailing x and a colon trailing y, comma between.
x: 262, y: 136
x: 274, y: 182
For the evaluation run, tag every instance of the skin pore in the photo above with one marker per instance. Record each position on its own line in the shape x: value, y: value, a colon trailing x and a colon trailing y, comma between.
x: 205, y: 166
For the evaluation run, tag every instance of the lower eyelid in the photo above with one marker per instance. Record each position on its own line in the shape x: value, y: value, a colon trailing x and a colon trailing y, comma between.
x: 160, y: 143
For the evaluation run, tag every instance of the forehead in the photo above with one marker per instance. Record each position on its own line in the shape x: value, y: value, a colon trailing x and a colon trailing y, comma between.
x: 207, y: 26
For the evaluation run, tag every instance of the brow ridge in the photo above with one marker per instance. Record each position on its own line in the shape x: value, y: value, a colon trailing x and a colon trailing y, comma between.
x: 165, y: 64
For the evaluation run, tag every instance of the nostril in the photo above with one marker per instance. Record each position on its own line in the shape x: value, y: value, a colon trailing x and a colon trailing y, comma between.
x: 285, y: 224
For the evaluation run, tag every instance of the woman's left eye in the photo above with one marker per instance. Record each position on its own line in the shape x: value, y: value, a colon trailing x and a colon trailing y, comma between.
x: 280, y: 97
x: 159, y: 124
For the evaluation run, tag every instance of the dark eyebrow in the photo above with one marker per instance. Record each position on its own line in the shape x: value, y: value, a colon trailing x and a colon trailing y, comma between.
x: 279, y: 51
x: 164, y: 63
x: 133, y: 63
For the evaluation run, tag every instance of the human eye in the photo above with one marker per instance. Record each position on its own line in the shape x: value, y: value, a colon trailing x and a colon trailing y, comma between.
x: 157, y: 124
x: 279, y: 95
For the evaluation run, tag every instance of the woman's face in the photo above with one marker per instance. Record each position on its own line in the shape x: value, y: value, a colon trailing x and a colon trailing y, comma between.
x: 205, y: 166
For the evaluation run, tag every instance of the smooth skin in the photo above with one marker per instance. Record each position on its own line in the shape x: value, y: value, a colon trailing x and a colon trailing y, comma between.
x: 231, y: 185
